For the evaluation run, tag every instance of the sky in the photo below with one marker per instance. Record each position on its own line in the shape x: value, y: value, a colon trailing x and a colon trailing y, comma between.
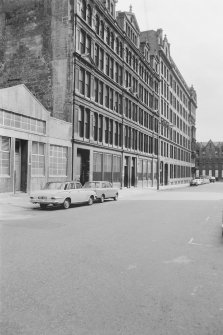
x: 194, y: 29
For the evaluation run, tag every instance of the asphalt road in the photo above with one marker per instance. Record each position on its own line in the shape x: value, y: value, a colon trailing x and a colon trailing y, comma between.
x: 148, y: 264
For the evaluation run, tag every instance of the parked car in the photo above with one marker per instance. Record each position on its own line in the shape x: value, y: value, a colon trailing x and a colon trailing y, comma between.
x: 63, y: 193
x: 195, y: 182
x: 103, y: 189
x: 212, y: 179
x: 205, y: 179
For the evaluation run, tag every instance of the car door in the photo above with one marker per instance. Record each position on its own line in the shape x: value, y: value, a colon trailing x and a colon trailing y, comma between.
x: 83, y: 194
x: 110, y: 190
x: 74, y: 194
x: 104, y: 189
x: 98, y: 190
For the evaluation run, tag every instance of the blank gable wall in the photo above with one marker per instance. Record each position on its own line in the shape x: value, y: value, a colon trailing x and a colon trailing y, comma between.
x: 35, y: 50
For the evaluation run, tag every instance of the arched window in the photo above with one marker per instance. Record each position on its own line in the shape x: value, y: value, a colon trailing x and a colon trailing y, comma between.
x: 112, y: 9
x: 83, y: 9
x: 108, y: 36
x: 89, y: 15
x: 120, y: 50
x: 133, y: 62
x: 126, y: 55
x: 117, y: 45
x: 112, y: 40
x: 130, y: 58
x: 97, y: 26
x: 102, y: 29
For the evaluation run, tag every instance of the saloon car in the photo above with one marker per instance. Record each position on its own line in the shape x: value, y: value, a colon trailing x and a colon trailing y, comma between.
x: 63, y: 194
x: 103, y: 189
x: 195, y: 182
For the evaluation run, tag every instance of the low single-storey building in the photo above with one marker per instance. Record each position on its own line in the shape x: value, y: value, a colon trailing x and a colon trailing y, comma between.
x: 34, y: 147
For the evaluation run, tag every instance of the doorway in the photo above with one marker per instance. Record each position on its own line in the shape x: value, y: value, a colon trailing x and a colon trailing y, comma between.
x: 166, y: 174
x: 83, y: 165
x: 21, y: 159
x: 126, y: 172
x: 133, y: 171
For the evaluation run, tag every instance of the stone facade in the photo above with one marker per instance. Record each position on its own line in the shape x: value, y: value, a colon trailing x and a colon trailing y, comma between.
x: 91, y: 66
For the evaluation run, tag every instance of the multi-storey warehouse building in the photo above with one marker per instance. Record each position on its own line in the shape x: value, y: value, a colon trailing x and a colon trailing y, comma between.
x: 129, y: 107
x: 177, y: 114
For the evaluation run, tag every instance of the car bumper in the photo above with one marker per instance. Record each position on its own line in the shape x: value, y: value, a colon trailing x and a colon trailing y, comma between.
x: 47, y: 202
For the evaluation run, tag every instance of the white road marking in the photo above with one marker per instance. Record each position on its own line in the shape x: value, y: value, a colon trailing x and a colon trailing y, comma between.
x: 207, y: 218
x: 179, y: 260
x: 131, y: 267
x: 199, y: 244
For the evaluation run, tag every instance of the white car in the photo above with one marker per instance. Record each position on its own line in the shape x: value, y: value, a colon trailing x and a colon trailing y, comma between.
x: 62, y: 193
x: 196, y: 182
x: 103, y: 189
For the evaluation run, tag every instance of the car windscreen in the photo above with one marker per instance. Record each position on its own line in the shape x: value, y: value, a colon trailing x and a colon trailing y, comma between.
x: 54, y: 186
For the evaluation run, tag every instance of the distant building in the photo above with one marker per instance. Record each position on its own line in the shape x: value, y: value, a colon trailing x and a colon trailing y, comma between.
x: 209, y: 159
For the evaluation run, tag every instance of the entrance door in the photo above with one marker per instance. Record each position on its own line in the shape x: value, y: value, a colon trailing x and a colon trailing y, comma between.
x: 126, y: 172
x: 166, y: 174
x: 18, y: 165
x: 21, y: 159
x: 83, y: 165
x: 133, y: 172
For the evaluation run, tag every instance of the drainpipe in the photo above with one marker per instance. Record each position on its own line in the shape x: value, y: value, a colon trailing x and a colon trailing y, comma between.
x: 73, y: 96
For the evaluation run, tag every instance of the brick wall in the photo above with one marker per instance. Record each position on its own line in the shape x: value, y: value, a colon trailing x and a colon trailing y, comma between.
x: 36, y: 49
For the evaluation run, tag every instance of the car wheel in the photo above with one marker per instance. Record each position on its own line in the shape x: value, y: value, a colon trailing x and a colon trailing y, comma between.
x: 42, y: 206
x: 116, y: 197
x: 102, y: 199
x: 66, y: 203
x: 90, y: 200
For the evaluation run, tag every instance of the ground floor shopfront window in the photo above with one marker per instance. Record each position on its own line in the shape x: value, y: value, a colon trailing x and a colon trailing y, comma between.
x: 38, y: 159
x: 4, y: 156
x: 106, y: 167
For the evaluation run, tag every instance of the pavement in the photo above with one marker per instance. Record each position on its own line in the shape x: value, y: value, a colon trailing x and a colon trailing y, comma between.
x: 17, y: 205
x: 21, y: 199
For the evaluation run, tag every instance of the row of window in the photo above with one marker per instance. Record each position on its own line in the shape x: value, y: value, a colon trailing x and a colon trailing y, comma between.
x: 174, y: 136
x: 173, y: 84
x: 86, y: 10
x: 58, y: 158
x: 14, y: 120
x: 173, y: 101
x: 179, y: 171
x: 169, y: 150
x: 110, y: 132
x: 131, y: 34
x: 108, y: 97
x: 113, y: 69
x: 107, y: 35
x: 136, y: 140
